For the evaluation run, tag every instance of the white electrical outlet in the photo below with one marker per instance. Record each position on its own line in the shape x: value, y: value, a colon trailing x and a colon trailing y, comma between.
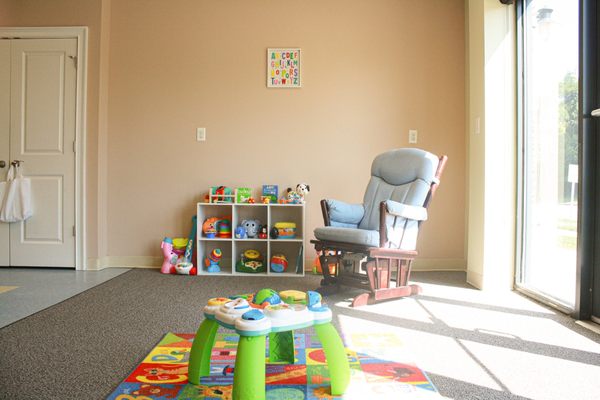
x: 412, y: 136
x: 201, y: 134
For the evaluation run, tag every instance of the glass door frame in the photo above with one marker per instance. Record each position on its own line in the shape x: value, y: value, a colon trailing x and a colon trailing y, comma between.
x: 521, y: 214
x: 588, y: 256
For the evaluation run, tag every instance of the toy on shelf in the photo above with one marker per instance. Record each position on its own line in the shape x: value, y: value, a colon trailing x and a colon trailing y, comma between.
x: 263, y: 232
x: 250, y: 262
x: 252, y: 227
x: 279, y: 263
x: 220, y: 194
x: 270, y: 191
x: 178, y: 253
x: 217, y: 227
x: 265, y: 199
x: 209, y: 227
x: 283, y: 230
x: 211, y: 262
x: 243, y: 195
x: 224, y: 228
x: 251, y: 200
x: 240, y: 232
x: 296, y: 196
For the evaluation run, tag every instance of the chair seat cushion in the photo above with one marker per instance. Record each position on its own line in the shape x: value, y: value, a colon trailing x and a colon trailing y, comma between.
x: 348, y: 235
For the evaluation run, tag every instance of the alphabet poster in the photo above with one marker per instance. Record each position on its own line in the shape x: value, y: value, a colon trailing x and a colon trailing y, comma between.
x: 283, y: 68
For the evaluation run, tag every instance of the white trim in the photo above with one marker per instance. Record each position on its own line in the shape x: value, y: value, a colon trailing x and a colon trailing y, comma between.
x: 81, y: 34
x: 542, y: 298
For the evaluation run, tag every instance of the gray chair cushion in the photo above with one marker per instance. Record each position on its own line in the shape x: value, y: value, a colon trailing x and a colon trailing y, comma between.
x: 348, y: 235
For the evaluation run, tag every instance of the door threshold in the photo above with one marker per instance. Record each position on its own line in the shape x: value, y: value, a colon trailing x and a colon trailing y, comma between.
x: 591, y: 325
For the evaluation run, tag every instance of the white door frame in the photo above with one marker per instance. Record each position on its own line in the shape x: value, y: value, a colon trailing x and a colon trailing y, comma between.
x: 81, y: 34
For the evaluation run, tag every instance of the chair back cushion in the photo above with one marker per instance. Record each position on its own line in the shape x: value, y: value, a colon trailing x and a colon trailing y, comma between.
x: 402, y: 175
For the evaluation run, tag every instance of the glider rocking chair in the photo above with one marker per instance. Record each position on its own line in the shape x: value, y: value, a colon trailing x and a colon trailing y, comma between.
x: 372, y: 245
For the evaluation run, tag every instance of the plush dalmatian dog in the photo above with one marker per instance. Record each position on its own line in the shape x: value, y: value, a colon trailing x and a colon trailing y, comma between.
x: 297, y: 196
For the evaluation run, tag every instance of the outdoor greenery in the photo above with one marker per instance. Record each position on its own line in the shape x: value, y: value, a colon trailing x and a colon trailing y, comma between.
x: 567, y: 129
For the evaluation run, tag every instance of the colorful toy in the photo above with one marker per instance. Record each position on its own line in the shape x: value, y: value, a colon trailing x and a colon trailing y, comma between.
x: 186, y: 266
x: 284, y: 230
x: 250, y: 262
x: 265, y: 199
x: 293, y: 296
x: 253, y: 321
x: 211, y: 262
x: 270, y: 191
x: 317, y: 263
x: 243, y: 195
x: 302, y: 189
x: 178, y: 253
x: 170, y: 259
x: 266, y: 297
x: 263, y: 232
x: 251, y: 200
x: 240, y: 232
x: 209, y: 227
x: 252, y: 226
x: 224, y: 228
x: 220, y: 194
x: 279, y: 263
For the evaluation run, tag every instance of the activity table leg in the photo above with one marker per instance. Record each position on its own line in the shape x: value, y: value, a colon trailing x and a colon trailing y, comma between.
x: 249, y: 372
x: 337, y: 361
x: 201, y: 349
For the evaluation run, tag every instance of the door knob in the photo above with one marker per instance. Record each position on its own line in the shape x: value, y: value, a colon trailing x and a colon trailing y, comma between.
x: 2, y: 163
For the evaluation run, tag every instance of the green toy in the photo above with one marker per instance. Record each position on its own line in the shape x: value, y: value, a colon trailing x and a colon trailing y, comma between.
x: 268, y: 315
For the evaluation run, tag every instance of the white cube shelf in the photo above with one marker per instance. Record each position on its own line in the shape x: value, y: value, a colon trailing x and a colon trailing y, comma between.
x: 232, y: 248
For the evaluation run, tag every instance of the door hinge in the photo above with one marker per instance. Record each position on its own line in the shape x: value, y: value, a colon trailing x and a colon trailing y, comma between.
x: 74, y: 58
x: 74, y: 231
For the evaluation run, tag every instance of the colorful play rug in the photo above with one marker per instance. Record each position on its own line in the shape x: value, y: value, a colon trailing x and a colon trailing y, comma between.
x: 163, y: 373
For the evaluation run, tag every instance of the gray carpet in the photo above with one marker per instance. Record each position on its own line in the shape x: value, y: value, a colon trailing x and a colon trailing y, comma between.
x: 85, y: 346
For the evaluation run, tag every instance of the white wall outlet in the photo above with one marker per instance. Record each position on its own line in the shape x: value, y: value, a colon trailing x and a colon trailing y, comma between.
x: 200, y: 134
x: 412, y: 136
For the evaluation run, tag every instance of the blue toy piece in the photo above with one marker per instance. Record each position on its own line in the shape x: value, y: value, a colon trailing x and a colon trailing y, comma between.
x: 240, y: 232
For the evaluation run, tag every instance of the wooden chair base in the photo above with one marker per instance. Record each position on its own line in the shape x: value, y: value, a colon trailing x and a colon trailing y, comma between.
x: 385, y: 275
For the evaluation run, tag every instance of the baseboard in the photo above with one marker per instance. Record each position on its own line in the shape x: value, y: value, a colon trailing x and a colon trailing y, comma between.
x: 439, y: 264
x: 420, y: 264
x: 96, y: 264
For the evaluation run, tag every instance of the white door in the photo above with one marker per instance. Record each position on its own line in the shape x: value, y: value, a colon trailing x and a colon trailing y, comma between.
x: 4, y: 138
x: 42, y: 135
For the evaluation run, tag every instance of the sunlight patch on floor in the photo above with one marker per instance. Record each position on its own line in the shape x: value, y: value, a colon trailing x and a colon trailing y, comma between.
x: 509, y: 325
x: 433, y: 353
x: 536, y: 376
x: 4, y: 289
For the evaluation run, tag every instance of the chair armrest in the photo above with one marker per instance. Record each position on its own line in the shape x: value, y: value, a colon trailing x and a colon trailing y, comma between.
x: 415, y: 213
x: 344, y: 214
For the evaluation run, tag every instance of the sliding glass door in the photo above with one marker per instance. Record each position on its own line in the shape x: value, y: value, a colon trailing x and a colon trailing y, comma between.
x: 588, y: 277
x: 549, y: 53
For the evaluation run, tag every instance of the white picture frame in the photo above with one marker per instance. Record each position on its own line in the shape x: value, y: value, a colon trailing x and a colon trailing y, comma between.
x: 284, y: 67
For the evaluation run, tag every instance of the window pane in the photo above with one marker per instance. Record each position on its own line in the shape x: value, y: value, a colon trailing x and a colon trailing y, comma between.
x: 550, y: 142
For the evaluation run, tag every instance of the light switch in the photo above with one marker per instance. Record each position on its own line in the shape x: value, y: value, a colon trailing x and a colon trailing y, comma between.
x: 200, y: 134
x: 412, y: 136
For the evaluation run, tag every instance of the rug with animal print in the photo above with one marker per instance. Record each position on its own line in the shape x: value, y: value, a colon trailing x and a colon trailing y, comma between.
x: 378, y: 364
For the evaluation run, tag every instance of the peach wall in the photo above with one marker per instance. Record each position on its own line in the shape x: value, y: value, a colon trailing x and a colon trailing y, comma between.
x: 371, y: 71
x: 30, y: 13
